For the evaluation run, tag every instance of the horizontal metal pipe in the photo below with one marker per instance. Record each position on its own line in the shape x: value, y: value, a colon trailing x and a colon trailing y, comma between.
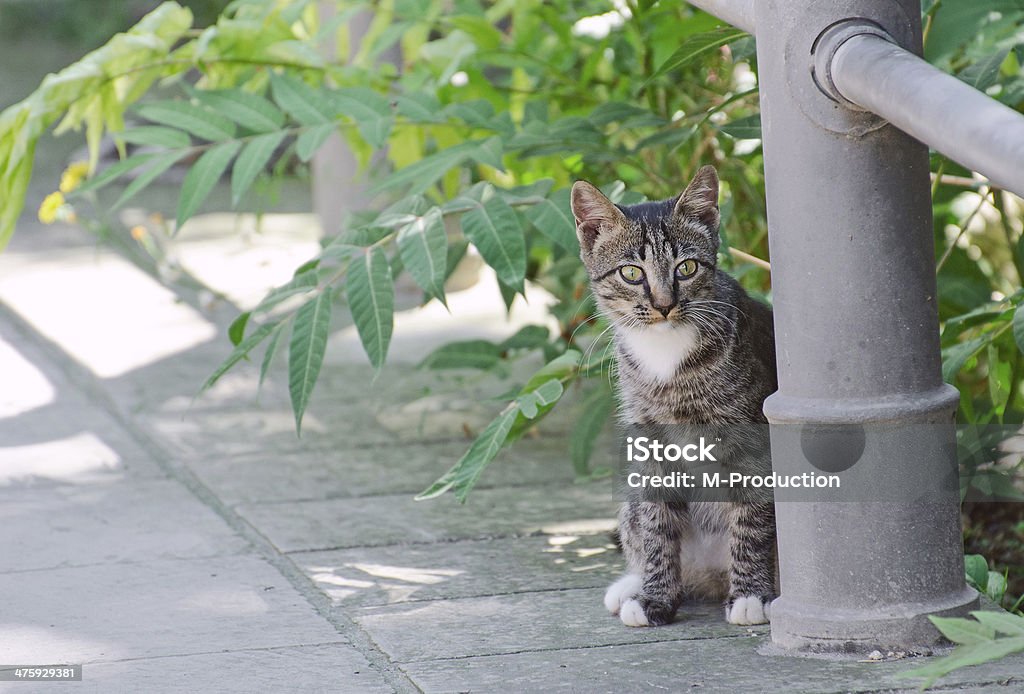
x: 739, y: 13
x: 932, y: 106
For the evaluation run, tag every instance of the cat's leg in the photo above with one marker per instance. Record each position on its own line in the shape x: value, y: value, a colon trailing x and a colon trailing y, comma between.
x: 650, y: 593
x: 752, y: 567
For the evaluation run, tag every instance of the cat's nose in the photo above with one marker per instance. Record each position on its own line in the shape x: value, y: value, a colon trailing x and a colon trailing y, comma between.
x: 663, y: 310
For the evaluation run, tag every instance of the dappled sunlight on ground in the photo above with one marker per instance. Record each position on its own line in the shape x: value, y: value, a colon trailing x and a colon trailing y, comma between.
x: 243, y: 259
x: 78, y: 458
x: 100, y: 309
x: 24, y: 386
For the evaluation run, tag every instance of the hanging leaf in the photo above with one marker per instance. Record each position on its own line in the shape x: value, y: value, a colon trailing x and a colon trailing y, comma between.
x: 553, y: 218
x: 748, y: 128
x: 236, y: 331
x: 422, y: 174
x: 954, y: 358
x: 201, y: 122
x: 983, y: 74
x: 370, y: 111
x: 1018, y: 327
x: 527, y: 337
x: 240, y: 352
x: 202, y: 177
x: 311, y: 140
x: 249, y: 110
x: 270, y: 352
x: 156, y: 136
x: 152, y: 172
x: 465, y: 354
x: 695, y: 46
x: 113, y: 172
x: 423, y: 246
x: 371, y: 296
x: 494, y: 228
x: 306, y: 352
x: 304, y: 103
x: 594, y: 414
x: 251, y: 162
x: 464, y: 474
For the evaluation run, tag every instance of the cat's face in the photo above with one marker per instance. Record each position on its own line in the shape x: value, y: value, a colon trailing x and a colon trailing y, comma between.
x: 652, y: 264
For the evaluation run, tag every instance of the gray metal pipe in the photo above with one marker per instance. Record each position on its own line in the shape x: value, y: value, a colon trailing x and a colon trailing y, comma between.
x: 936, y: 108
x: 739, y: 13
x: 857, y: 341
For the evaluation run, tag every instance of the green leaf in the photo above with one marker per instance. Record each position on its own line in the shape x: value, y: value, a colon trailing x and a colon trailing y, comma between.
x: 553, y: 218
x: 422, y: 174
x: 251, y: 161
x: 370, y: 111
x: 464, y: 474
x: 983, y: 74
x: 201, y: 122
x: 311, y: 140
x: 156, y: 136
x: 964, y: 656
x: 236, y: 331
x: 494, y: 228
x: 240, y: 352
x: 300, y: 283
x: 954, y: 357
x: 271, y: 351
x: 695, y: 46
x: 1002, y: 622
x: 113, y: 172
x: 976, y: 569
x: 249, y: 110
x: 423, y: 246
x: 305, y: 104
x: 527, y: 337
x: 965, y: 631
x: 531, y: 402
x: 151, y: 173
x: 466, y: 354
x: 306, y: 351
x: 202, y: 177
x: 371, y: 296
x: 595, y: 412
x: 748, y: 128
x: 1018, y: 327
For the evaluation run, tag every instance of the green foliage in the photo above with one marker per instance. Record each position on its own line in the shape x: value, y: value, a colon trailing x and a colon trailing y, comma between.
x: 989, y: 583
x: 476, y: 137
x: 989, y: 636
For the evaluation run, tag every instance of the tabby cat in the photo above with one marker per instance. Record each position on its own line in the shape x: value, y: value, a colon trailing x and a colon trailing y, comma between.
x: 691, y: 347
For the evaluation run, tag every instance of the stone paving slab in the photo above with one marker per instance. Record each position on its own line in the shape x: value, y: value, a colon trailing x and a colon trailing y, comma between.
x: 699, y: 665
x: 151, y: 609
x: 108, y: 522
x: 393, y: 519
x: 368, y: 576
x: 498, y: 624
x: 405, y: 469
x: 332, y: 668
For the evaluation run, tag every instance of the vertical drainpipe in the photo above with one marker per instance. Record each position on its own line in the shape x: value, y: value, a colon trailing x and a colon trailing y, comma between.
x: 860, y: 386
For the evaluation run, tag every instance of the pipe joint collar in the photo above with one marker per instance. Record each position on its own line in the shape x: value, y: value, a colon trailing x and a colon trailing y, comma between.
x: 826, y: 45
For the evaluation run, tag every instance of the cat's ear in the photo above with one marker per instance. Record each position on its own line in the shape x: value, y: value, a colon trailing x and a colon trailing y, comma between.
x: 593, y: 211
x: 700, y: 199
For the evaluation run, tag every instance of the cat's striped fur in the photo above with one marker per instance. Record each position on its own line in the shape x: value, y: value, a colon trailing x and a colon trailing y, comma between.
x: 694, y: 350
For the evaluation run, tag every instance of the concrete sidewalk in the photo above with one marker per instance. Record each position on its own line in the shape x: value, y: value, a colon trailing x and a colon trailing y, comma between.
x: 201, y: 547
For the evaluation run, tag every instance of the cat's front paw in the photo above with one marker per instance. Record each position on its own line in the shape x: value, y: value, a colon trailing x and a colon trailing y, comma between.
x: 621, y: 591
x: 748, y: 609
x: 632, y: 614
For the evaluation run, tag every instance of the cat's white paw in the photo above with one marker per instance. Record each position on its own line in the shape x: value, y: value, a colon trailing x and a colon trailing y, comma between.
x: 622, y: 590
x: 632, y: 615
x: 748, y: 610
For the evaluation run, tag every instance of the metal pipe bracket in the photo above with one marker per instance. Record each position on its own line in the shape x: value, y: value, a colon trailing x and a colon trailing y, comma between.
x: 808, y: 54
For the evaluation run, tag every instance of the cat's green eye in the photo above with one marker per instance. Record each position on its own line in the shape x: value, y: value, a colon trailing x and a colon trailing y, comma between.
x: 633, y: 274
x: 687, y: 268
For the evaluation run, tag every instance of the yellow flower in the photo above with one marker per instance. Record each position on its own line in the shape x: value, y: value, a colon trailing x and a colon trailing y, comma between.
x: 73, y: 176
x: 50, y: 207
x: 138, y: 232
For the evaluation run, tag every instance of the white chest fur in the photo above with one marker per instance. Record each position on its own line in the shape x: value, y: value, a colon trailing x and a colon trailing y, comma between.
x: 660, y: 349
